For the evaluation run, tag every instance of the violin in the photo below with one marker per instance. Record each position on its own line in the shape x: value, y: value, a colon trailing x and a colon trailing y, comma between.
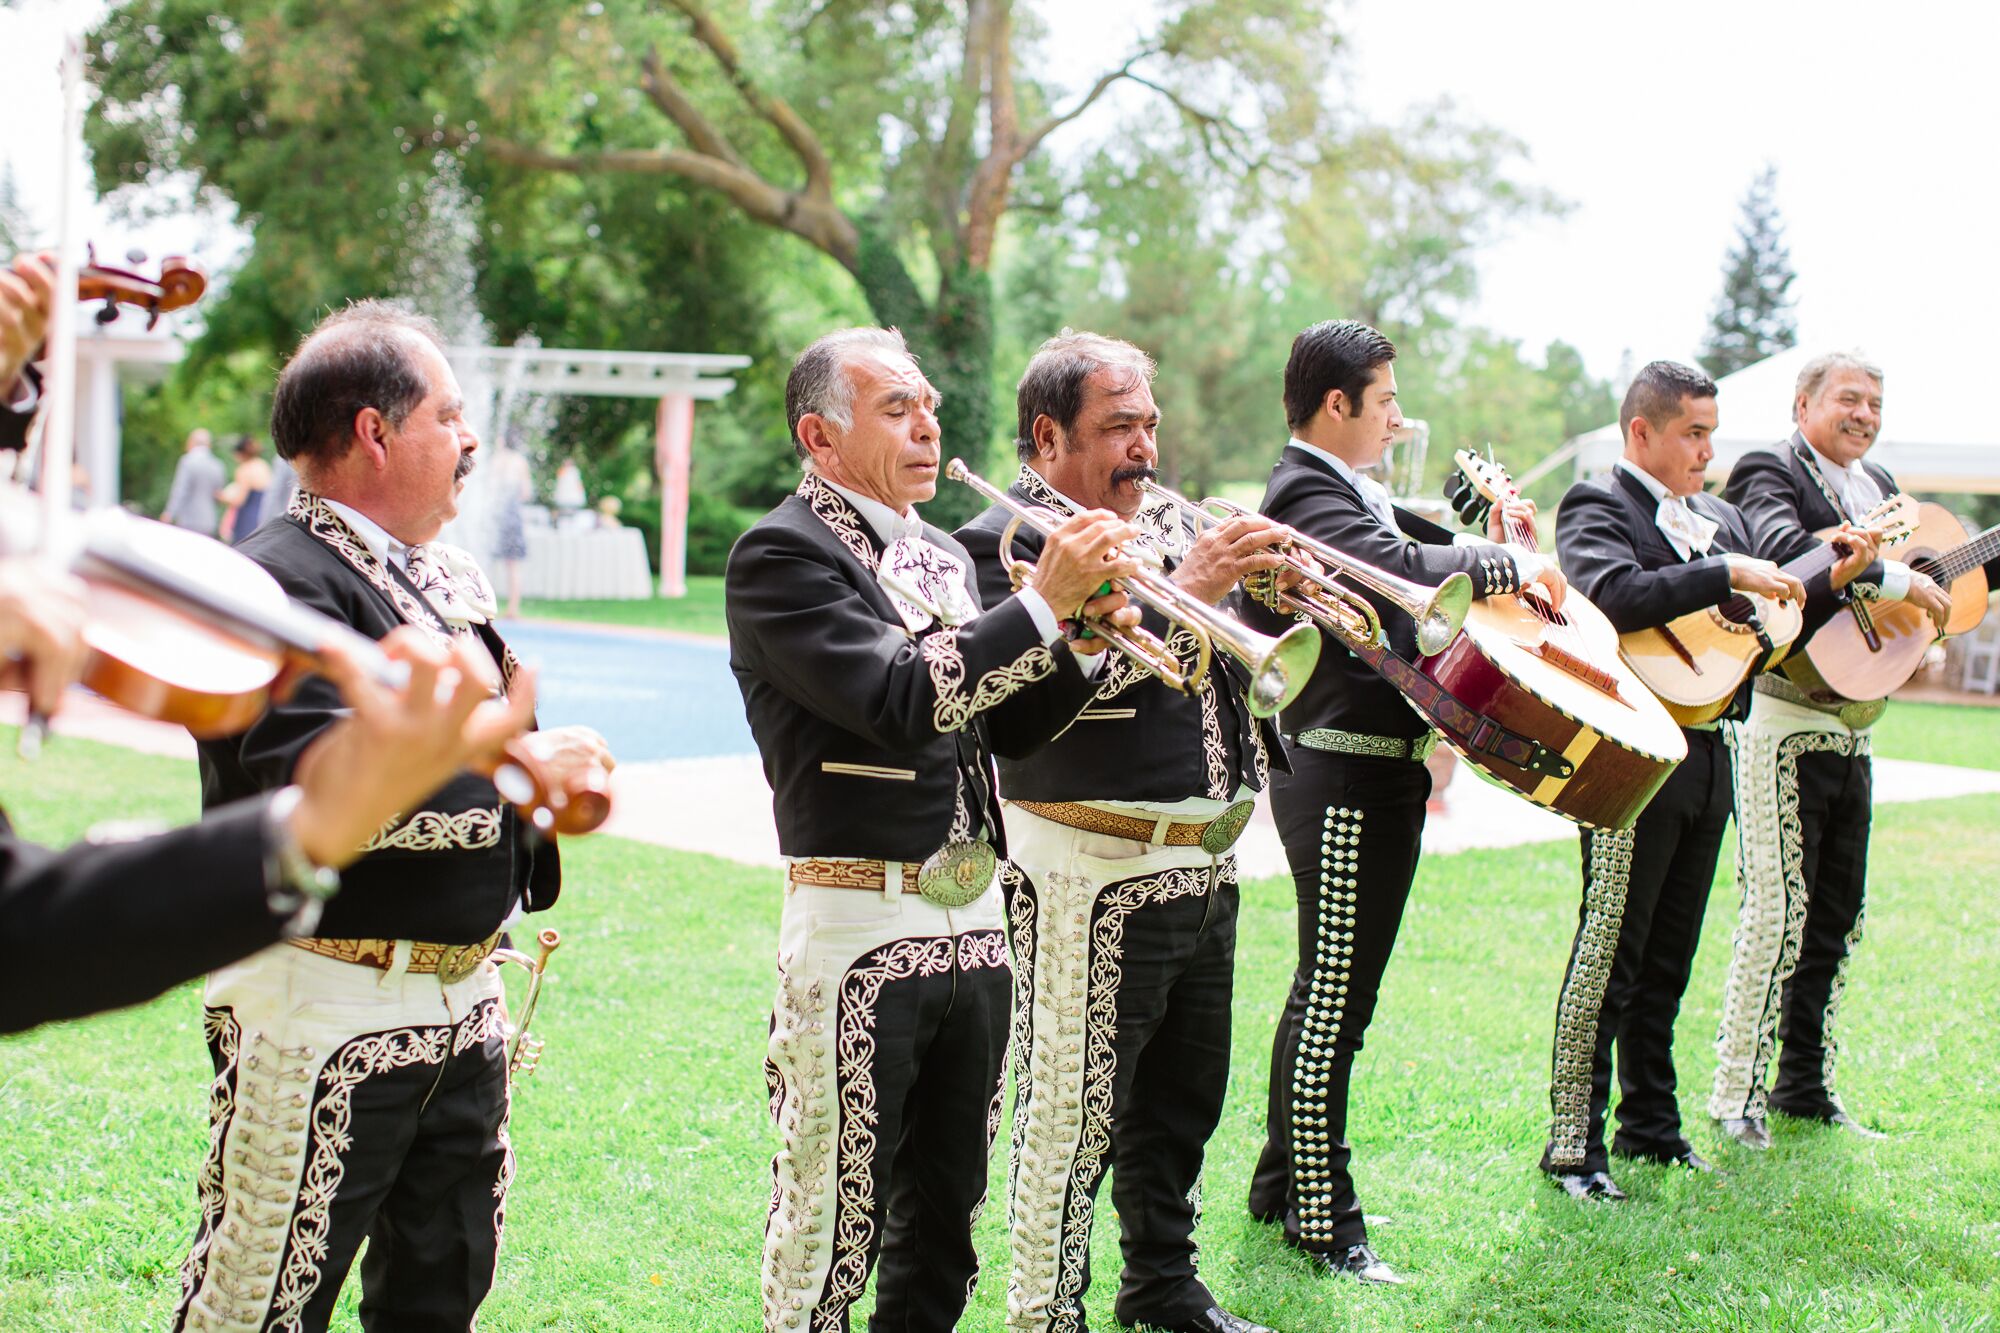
x: 179, y: 285
x: 183, y: 629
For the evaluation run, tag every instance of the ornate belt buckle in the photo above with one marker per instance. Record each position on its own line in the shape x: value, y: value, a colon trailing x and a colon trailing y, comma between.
x: 459, y: 961
x: 956, y: 874
x: 1223, y: 831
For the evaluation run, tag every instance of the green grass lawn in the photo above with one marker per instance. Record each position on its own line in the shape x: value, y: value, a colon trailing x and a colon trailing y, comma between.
x: 700, y: 612
x: 1964, y: 734
x: 644, y: 1145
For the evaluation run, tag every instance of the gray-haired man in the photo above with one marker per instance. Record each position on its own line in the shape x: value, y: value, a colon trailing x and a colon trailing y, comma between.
x: 878, y: 688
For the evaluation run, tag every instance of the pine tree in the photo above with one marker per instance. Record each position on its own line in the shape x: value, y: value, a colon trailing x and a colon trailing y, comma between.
x: 1753, y: 315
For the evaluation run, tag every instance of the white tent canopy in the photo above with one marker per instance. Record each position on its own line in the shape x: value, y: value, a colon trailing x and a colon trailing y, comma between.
x: 1939, y: 431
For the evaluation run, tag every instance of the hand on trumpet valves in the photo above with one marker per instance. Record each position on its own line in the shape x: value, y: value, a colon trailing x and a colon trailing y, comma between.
x: 1224, y: 554
x: 27, y: 296
x: 1763, y: 577
x: 398, y: 745
x: 1080, y: 556
x: 41, y: 632
x: 1863, y: 545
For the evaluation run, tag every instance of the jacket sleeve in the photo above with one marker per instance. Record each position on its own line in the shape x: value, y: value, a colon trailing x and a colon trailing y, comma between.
x: 100, y: 926
x: 801, y: 623
x: 1329, y: 513
x: 1600, y: 558
x: 1026, y: 721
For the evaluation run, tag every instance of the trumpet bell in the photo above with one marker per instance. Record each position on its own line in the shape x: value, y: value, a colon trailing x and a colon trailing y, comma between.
x: 1277, y: 676
x: 1442, y: 616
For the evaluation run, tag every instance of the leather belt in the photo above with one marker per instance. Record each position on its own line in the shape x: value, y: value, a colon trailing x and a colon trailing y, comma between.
x: 849, y: 874
x: 450, y: 962
x: 1214, y: 836
x: 1376, y: 747
x: 1854, y: 714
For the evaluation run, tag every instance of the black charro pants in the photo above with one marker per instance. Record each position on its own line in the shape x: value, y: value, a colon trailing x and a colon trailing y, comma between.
x: 1352, y: 827
x: 1644, y: 895
x: 1124, y: 955
x: 884, y: 1068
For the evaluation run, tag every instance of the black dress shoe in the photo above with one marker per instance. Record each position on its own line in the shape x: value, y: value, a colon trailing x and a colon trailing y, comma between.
x: 1214, y: 1319
x: 1595, y: 1185
x: 1359, y: 1262
x: 1686, y: 1156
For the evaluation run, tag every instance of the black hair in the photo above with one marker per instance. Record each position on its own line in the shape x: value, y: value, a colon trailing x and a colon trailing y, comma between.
x: 1338, y: 354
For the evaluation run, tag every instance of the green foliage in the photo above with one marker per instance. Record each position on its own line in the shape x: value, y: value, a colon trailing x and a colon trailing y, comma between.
x: 1753, y: 315
x: 714, y: 524
x: 228, y: 395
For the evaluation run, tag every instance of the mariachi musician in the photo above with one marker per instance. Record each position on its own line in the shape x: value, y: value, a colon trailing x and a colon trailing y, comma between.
x: 1646, y: 545
x: 1804, y: 783
x: 878, y: 686
x: 1351, y: 812
x: 1121, y: 890
x: 361, y: 1081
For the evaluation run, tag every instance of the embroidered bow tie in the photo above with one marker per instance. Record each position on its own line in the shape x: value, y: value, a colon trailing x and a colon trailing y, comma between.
x: 926, y: 582
x: 1377, y: 496
x: 1688, y: 531
x: 452, y: 582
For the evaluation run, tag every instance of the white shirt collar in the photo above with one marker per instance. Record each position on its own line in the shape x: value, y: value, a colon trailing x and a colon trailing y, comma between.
x: 1654, y: 486
x: 1851, y: 482
x: 888, y: 524
x: 372, y: 534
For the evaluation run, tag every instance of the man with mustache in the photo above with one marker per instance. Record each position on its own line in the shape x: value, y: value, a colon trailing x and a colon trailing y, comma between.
x: 1804, y: 782
x: 360, y: 1071
x: 1121, y: 890
x: 1351, y: 810
x: 879, y: 684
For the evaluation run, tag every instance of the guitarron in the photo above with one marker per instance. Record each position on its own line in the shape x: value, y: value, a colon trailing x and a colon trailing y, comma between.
x: 1556, y: 678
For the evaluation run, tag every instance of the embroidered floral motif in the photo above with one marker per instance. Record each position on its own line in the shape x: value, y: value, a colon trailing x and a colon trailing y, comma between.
x: 797, y: 1071
x: 1606, y: 876
x: 955, y: 706
x: 1770, y: 923
x: 854, y: 1217
x: 452, y: 582
x: 839, y: 516
x: 1074, y: 942
x: 332, y: 1119
x: 219, y: 1027
x: 436, y: 831
x: 329, y: 527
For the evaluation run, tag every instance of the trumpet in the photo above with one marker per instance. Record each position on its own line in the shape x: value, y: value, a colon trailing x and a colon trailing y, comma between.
x: 523, y: 1051
x: 1279, y: 667
x: 1324, y: 599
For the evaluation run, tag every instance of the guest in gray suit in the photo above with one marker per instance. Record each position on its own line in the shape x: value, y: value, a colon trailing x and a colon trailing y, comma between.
x: 197, y: 478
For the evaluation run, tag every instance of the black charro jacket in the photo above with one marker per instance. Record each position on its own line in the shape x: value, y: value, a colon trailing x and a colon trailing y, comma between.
x: 876, y: 736
x: 448, y: 873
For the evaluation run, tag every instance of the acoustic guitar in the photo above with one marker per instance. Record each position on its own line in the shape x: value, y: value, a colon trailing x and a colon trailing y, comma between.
x: 1556, y: 677
x: 1870, y: 650
x: 1696, y: 663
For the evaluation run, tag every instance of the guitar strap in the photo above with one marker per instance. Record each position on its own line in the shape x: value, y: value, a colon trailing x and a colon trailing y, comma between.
x: 1464, y: 726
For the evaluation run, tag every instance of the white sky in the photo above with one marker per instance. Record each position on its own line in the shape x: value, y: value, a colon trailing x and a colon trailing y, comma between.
x: 1651, y: 118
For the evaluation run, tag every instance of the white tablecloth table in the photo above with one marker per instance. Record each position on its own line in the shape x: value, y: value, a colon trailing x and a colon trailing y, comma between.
x: 602, y: 564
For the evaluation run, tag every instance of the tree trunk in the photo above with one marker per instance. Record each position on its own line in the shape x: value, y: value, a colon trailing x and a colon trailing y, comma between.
x: 953, y: 341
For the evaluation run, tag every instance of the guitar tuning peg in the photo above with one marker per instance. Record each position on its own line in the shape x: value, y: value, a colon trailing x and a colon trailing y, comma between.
x: 106, y: 313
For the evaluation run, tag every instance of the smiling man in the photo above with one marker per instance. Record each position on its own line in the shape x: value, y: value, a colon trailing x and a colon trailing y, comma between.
x: 360, y: 1072
x: 878, y: 686
x: 1351, y: 811
x: 1121, y: 888
x: 1804, y: 781
x: 1647, y: 545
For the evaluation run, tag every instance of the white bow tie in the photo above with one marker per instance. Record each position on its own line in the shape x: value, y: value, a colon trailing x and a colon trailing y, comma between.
x: 1688, y: 531
x: 1377, y: 496
x: 926, y: 582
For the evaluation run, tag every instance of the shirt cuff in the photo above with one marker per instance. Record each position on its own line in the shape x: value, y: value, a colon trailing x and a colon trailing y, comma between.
x: 21, y: 399
x: 1895, y: 580
x: 1528, y: 565
x: 1037, y: 607
x: 1470, y: 539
